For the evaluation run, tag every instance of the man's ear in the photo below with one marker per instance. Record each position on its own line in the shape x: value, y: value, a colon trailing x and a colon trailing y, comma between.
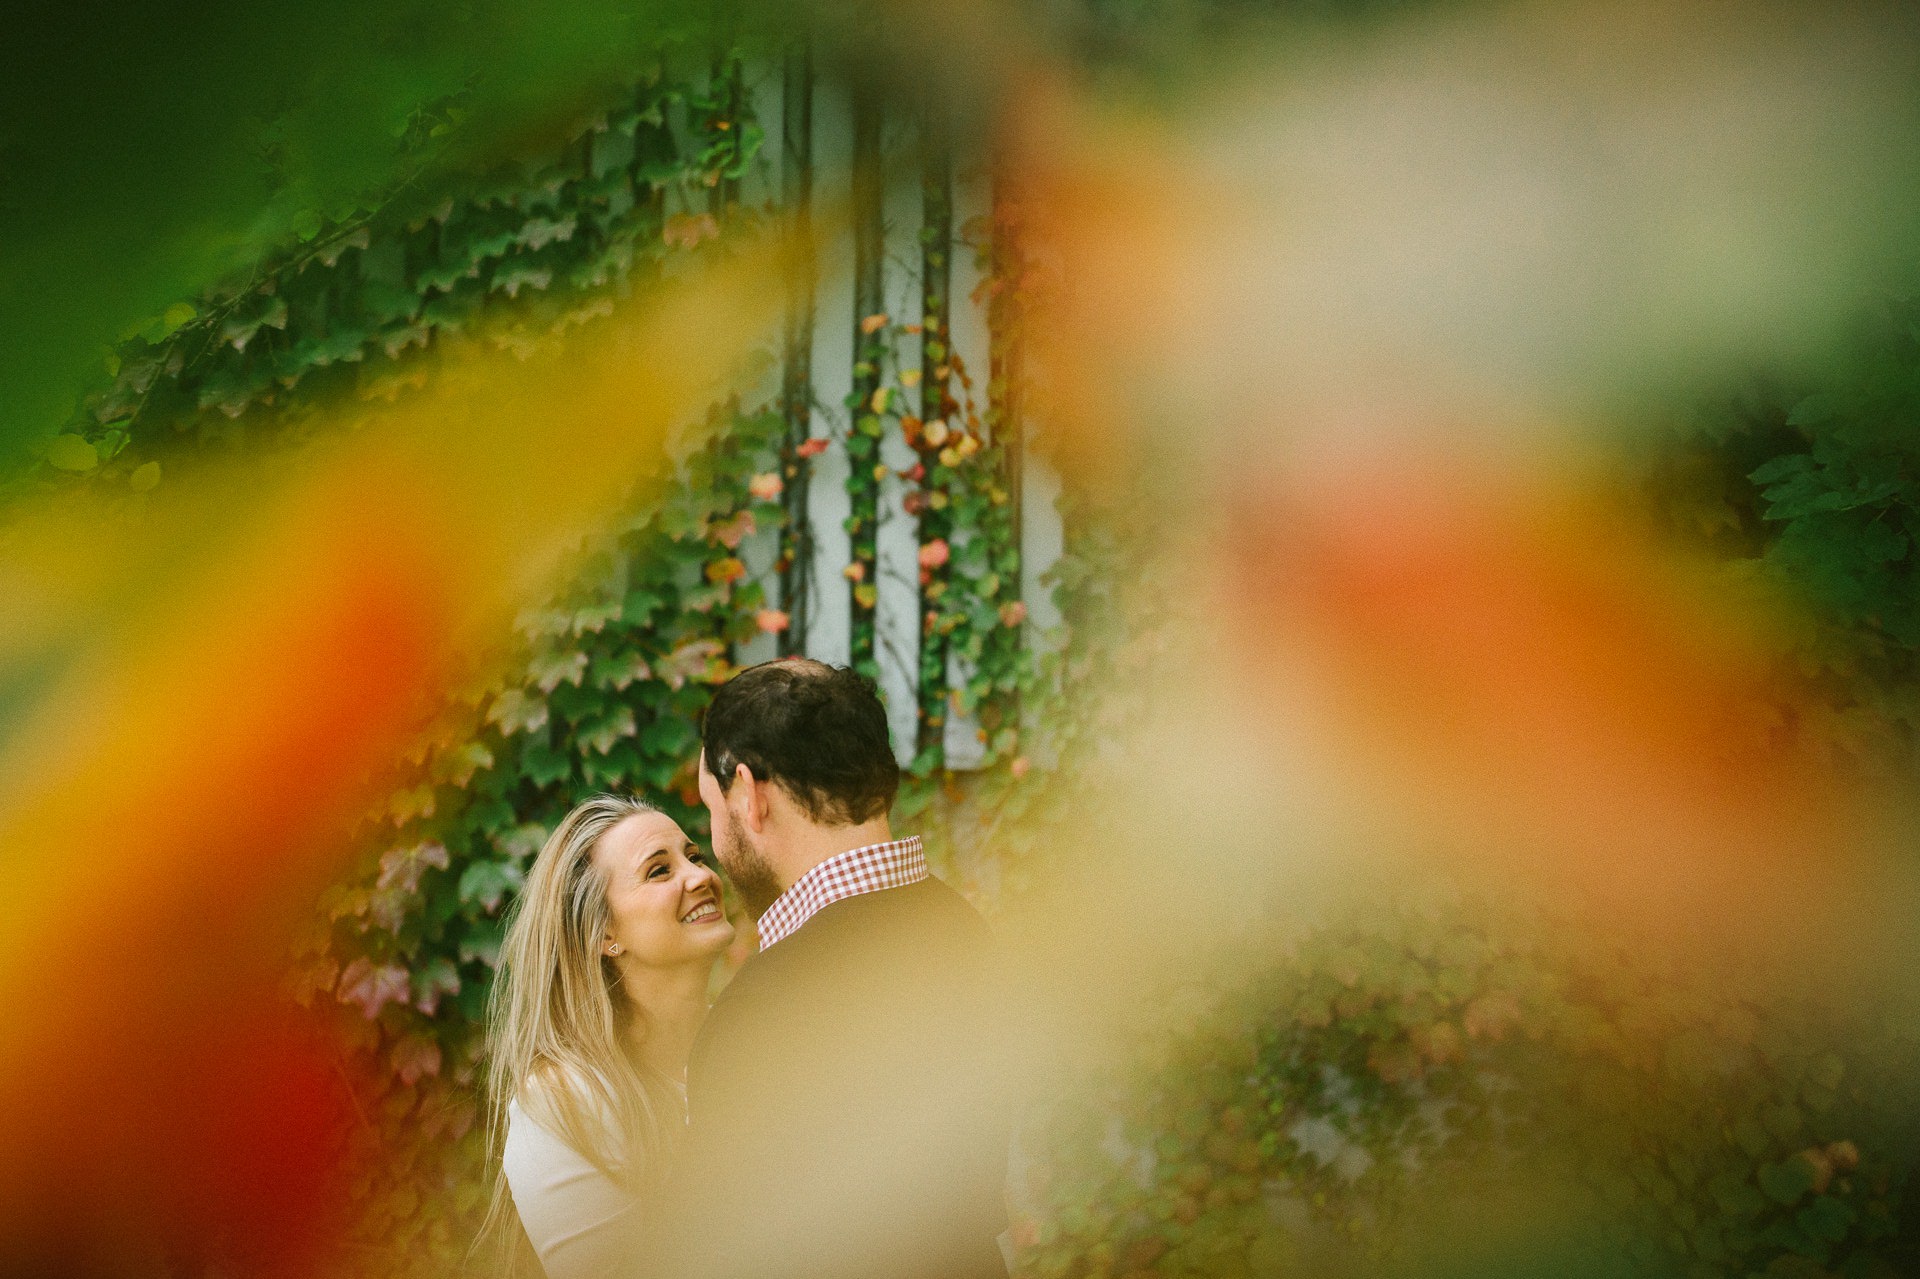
x: 754, y: 794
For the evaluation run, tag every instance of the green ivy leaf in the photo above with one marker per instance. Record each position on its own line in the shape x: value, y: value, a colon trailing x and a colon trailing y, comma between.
x: 550, y: 670
x: 1735, y: 1194
x: 544, y: 765
x: 1788, y: 1181
x: 72, y: 453
x: 1784, y: 1121
x: 1827, y: 1218
x: 433, y: 980
x: 668, y: 736
x: 481, y: 944
x: 1751, y: 1137
x: 514, y: 711
x: 1813, y: 410
x: 601, y: 736
x: 618, y: 671
x: 485, y: 883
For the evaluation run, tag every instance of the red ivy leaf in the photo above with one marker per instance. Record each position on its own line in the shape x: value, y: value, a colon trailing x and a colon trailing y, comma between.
x: 373, y: 988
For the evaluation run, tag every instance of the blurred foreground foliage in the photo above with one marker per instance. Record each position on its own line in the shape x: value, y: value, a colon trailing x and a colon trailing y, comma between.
x: 1813, y: 491
x: 145, y: 153
x: 1429, y: 1084
x: 1314, y: 1108
x: 1448, y: 1088
x: 350, y: 309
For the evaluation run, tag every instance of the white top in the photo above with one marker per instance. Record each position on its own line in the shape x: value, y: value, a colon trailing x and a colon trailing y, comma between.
x: 579, y: 1219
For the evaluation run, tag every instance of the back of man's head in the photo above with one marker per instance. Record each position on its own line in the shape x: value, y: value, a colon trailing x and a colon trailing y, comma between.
x: 819, y: 731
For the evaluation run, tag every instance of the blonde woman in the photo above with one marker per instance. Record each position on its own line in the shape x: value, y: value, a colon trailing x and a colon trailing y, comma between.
x: 602, y: 986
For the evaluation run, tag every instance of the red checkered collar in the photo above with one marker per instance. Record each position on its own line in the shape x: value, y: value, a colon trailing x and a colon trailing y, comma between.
x: 868, y: 869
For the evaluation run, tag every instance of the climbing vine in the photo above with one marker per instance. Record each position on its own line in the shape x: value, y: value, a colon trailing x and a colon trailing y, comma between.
x: 968, y: 556
x: 867, y: 401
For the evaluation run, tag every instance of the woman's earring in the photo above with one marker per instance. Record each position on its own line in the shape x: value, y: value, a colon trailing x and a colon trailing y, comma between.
x: 613, y: 949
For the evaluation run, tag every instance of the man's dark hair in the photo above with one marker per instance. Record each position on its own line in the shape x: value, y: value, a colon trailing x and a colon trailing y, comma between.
x: 818, y: 730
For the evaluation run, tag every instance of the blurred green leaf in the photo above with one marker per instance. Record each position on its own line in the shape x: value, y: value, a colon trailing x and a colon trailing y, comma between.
x: 71, y: 453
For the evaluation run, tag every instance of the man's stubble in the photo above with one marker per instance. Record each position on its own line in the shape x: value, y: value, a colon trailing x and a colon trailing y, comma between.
x: 752, y: 877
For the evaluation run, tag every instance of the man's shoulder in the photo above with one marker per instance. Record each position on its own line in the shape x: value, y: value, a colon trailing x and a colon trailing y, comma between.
x: 906, y: 924
x: 916, y: 917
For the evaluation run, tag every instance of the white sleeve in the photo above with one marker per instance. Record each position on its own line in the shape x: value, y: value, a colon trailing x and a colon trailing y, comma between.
x: 578, y: 1218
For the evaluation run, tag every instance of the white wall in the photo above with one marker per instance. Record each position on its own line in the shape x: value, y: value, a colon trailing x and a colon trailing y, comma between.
x: 897, y: 616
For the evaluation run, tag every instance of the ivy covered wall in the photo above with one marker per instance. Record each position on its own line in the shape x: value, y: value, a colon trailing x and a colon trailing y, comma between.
x: 869, y: 512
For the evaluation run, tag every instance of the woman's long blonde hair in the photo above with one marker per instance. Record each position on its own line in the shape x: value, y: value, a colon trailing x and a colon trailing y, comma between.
x: 559, y: 1031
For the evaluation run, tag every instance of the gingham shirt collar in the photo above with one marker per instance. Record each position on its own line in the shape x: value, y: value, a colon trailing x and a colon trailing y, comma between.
x: 868, y: 869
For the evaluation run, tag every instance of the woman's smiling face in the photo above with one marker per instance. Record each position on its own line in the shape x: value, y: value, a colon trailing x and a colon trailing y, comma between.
x: 662, y: 894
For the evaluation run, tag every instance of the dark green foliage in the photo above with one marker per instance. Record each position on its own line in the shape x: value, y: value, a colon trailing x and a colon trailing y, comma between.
x: 1817, y: 492
x: 355, y: 306
x: 147, y: 151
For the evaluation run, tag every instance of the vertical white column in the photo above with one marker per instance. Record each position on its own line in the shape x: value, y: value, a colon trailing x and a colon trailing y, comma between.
x: 827, y: 635
x: 897, y: 547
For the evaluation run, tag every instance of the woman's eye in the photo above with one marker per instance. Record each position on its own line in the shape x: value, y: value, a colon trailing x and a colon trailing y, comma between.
x: 698, y: 859
x: 657, y: 870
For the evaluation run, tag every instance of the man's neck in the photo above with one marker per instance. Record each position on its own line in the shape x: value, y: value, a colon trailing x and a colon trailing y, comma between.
x: 815, y: 844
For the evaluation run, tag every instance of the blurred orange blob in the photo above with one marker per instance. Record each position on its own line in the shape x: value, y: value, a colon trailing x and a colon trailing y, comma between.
x: 1347, y: 254
x: 243, y: 663
x: 147, y: 1087
x: 1561, y: 695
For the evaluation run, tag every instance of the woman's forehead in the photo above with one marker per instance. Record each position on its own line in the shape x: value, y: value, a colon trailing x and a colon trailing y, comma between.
x: 639, y: 835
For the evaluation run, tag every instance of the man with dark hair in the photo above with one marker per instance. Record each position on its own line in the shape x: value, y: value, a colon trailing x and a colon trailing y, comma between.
x: 848, y: 1117
x: 821, y: 734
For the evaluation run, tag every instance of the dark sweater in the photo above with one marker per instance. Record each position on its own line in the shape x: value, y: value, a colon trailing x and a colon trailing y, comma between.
x: 849, y: 1117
